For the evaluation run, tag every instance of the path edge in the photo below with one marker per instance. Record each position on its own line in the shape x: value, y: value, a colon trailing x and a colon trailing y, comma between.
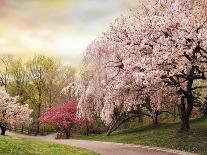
x: 173, y: 151
x: 160, y: 149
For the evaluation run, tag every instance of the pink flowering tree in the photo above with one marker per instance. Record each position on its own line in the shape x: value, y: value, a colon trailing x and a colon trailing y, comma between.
x: 110, y: 93
x: 77, y: 90
x: 115, y: 94
x: 148, y: 57
x: 63, y: 117
x: 165, y: 46
x: 11, y: 112
x: 170, y: 49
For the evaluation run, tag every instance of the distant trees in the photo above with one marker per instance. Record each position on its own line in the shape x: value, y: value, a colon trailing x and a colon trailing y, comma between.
x: 37, y: 69
x: 62, y: 116
x: 57, y: 77
x: 11, y: 112
x: 37, y: 81
x: 18, y: 77
x: 5, y: 61
x: 47, y: 78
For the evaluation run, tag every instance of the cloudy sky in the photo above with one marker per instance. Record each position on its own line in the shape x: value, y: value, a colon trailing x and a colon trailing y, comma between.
x: 60, y: 28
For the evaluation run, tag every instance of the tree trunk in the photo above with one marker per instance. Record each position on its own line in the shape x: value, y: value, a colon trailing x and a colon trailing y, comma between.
x: 155, y: 117
x: 37, y: 129
x: 185, y: 114
x: 37, y: 123
x: 185, y: 125
x: 174, y: 112
x: 118, y: 123
x: 112, y: 126
x: 22, y: 128
x: 155, y: 120
x: 109, y: 132
x: 87, y: 128
x: 67, y: 133
x: 3, y: 129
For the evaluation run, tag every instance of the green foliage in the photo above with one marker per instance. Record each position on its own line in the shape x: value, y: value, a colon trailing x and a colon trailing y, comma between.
x: 37, y: 81
x: 163, y: 135
x: 18, y: 146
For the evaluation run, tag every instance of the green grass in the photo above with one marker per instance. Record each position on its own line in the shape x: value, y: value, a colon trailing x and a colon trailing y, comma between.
x: 163, y: 135
x: 19, y: 146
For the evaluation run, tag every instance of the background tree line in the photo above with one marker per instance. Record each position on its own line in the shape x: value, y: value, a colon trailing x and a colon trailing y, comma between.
x: 37, y: 81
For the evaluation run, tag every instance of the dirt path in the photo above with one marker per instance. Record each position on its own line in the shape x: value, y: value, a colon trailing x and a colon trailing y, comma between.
x: 106, y: 148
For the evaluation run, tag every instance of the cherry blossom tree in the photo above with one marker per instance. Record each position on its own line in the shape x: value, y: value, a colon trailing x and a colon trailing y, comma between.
x: 147, y: 57
x: 77, y: 89
x: 11, y: 112
x: 174, y: 35
x: 62, y: 116
x: 166, y: 45
x: 115, y: 94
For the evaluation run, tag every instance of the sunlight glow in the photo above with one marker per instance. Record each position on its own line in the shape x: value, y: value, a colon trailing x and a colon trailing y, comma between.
x: 61, y: 28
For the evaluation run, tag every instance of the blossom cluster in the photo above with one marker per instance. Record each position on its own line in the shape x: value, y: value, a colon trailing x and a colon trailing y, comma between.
x: 12, y: 112
x: 63, y: 116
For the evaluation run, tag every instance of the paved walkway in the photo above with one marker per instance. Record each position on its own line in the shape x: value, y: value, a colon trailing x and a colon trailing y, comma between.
x: 106, y: 148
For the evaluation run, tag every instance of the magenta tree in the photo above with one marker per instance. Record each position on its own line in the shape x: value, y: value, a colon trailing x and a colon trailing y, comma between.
x: 63, y: 117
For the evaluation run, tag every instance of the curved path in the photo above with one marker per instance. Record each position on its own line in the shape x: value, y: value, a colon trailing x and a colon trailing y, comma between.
x: 106, y: 148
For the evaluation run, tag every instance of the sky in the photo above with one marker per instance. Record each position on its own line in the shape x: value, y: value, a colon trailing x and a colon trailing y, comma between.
x: 61, y: 28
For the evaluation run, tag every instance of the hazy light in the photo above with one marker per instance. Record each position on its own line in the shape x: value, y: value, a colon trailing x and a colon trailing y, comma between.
x: 62, y: 28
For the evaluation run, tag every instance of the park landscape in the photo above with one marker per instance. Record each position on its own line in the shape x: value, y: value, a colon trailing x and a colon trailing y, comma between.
x: 140, y: 88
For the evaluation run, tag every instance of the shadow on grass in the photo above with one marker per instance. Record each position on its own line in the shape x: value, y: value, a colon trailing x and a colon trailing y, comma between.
x: 167, y: 126
x: 165, y: 135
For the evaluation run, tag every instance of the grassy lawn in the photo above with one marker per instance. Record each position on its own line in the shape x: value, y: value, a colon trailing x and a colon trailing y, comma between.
x: 19, y: 146
x: 164, y: 135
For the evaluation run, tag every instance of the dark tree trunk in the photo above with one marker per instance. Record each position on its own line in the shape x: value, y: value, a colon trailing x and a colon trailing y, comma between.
x: 22, y: 128
x: 155, y: 117
x: 87, y: 128
x: 174, y: 112
x: 186, y: 103
x: 114, y: 128
x: 115, y: 125
x: 185, y: 111
x: 155, y: 120
x: 111, y: 127
x: 185, y: 125
x: 67, y: 133
x: 3, y: 129
x: 37, y: 123
x: 109, y: 132
x: 37, y: 129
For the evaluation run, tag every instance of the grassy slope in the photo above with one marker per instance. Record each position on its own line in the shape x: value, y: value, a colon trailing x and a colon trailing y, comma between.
x: 19, y: 146
x: 164, y: 135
